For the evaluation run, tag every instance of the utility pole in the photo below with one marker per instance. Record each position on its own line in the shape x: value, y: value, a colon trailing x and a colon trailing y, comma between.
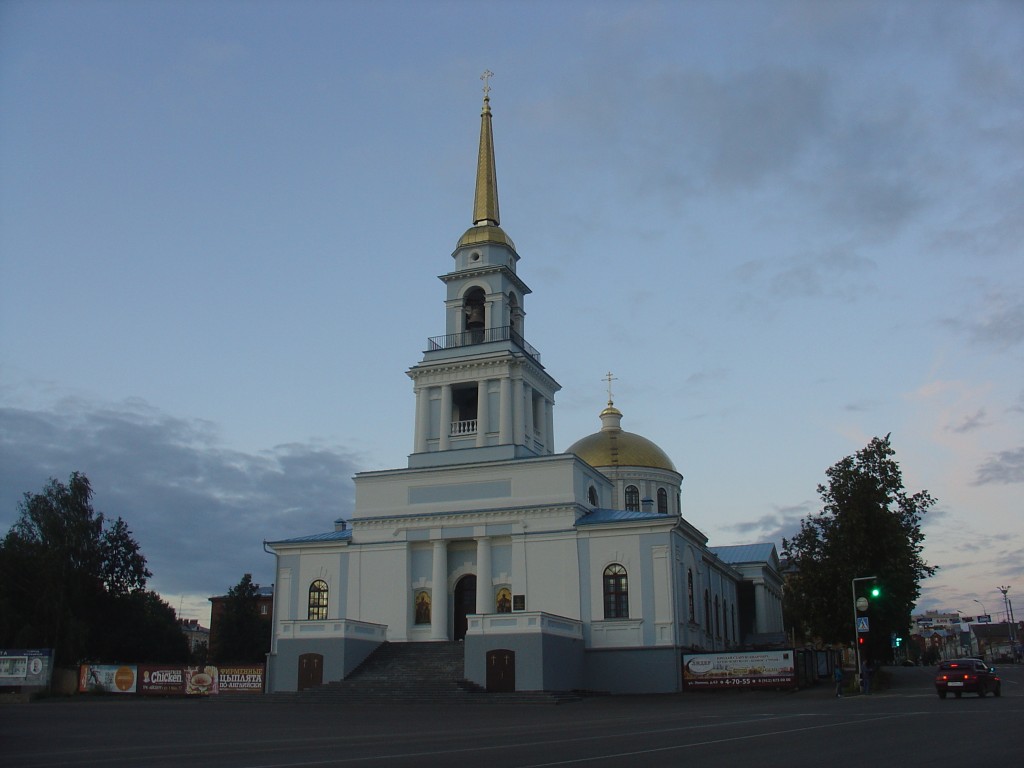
x: 856, y: 634
x: 1011, y: 635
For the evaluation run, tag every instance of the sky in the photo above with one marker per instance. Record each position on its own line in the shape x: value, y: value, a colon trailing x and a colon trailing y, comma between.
x: 784, y: 227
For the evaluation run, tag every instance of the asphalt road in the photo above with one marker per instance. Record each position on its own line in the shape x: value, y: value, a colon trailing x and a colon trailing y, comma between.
x: 906, y: 724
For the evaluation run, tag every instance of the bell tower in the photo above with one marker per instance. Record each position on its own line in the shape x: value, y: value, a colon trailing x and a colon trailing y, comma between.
x: 481, y: 391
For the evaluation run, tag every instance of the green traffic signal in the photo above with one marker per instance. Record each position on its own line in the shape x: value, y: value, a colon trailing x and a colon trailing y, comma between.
x: 876, y: 591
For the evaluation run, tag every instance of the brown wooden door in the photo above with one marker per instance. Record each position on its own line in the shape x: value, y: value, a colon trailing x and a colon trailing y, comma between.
x: 465, y: 604
x: 501, y: 671
x: 311, y: 670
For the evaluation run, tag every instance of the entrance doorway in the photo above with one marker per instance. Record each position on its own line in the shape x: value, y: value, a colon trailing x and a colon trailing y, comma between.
x: 465, y: 604
x: 311, y: 670
x: 501, y: 671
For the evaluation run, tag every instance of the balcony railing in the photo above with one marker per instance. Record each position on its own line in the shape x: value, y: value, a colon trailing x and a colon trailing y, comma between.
x: 481, y: 336
x: 467, y: 427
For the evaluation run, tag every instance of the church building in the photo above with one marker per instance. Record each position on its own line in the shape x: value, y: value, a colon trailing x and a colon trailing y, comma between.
x: 572, y: 570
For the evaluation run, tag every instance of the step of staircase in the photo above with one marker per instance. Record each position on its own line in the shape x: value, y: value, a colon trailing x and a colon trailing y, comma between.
x: 418, y: 673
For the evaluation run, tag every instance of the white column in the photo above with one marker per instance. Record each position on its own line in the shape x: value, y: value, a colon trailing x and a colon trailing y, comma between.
x: 446, y: 416
x: 422, y: 419
x: 540, y: 426
x: 528, y: 413
x: 505, y: 413
x: 484, y: 588
x: 760, y: 625
x: 482, y: 415
x: 549, y: 421
x: 518, y: 422
x: 439, y: 592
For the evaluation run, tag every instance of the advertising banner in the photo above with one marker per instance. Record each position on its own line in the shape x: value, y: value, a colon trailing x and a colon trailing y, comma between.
x: 201, y: 681
x: 161, y: 679
x: 157, y: 679
x: 110, y: 678
x: 247, y: 679
x: 26, y: 666
x: 755, y: 669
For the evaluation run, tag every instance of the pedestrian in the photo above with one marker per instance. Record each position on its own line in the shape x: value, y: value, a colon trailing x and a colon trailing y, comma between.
x: 865, y: 677
x: 837, y: 675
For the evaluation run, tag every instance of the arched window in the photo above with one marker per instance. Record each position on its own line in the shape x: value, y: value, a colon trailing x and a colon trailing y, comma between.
x: 707, y: 612
x: 689, y: 592
x: 473, y: 311
x: 662, y: 501
x: 734, y: 635
x: 718, y: 619
x: 632, y: 498
x: 592, y: 496
x: 318, y: 600
x: 616, y: 592
x: 725, y: 619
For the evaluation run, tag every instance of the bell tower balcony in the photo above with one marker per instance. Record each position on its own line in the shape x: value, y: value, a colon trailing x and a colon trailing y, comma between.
x: 481, y: 336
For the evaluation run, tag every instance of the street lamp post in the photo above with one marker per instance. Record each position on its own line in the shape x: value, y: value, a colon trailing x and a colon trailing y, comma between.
x: 1009, y: 618
x: 1013, y: 628
x: 856, y: 634
x: 960, y: 633
x: 985, y: 611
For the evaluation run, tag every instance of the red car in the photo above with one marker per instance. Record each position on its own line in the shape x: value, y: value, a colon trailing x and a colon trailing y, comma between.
x: 960, y: 676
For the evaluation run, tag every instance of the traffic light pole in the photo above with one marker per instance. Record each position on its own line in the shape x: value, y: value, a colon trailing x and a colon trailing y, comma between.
x: 856, y: 634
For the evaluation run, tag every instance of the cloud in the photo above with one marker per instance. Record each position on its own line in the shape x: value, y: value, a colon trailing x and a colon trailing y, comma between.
x: 783, y: 523
x: 1003, y: 467
x: 199, y: 511
x: 835, y: 274
x: 860, y: 406
x: 1003, y: 324
x: 1019, y: 406
x: 971, y: 423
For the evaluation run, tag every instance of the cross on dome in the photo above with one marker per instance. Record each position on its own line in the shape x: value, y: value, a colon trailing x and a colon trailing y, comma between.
x: 609, y: 378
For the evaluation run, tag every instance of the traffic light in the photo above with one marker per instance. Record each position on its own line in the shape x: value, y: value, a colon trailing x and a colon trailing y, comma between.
x: 860, y: 640
x: 876, y: 591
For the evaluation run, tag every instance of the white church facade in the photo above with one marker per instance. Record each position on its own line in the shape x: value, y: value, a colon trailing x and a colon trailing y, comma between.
x: 577, y: 570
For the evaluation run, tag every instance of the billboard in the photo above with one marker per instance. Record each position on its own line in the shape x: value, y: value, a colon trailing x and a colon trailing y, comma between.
x: 170, y: 679
x: 109, y: 678
x: 248, y: 679
x: 754, y: 669
x: 201, y: 681
x: 26, y: 666
x: 158, y: 679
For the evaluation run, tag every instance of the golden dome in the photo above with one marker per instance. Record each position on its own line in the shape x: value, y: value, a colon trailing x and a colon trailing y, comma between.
x: 485, y: 233
x: 614, y: 447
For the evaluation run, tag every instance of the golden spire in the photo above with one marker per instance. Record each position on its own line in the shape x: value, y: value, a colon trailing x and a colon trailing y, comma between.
x: 485, y: 202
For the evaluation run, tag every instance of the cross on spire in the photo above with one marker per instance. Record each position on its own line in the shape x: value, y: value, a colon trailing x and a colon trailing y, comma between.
x: 609, y: 378
x: 486, y: 76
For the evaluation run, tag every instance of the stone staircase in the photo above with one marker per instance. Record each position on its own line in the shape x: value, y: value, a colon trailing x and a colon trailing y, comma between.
x: 418, y: 673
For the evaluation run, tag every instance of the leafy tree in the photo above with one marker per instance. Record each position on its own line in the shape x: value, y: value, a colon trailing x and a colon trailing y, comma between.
x: 123, y: 568
x: 141, y: 627
x: 71, y: 583
x: 240, y: 634
x: 868, y: 526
